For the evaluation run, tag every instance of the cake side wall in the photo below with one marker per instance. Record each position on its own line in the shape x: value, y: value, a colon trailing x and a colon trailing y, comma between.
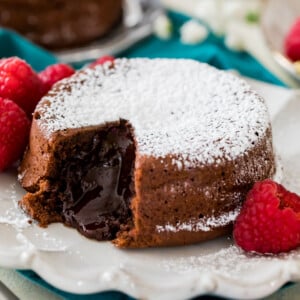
x: 36, y: 163
x: 186, y: 206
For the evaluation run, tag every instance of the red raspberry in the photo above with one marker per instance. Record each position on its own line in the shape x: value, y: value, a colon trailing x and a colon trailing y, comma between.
x: 19, y: 83
x: 14, y: 129
x: 269, y: 221
x: 53, y: 74
x: 102, y: 60
x: 292, y: 42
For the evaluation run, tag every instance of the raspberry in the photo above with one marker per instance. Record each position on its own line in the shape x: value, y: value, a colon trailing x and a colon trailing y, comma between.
x: 19, y: 83
x: 14, y: 130
x: 292, y: 42
x: 269, y: 221
x: 102, y: 60
x: 53, y: 74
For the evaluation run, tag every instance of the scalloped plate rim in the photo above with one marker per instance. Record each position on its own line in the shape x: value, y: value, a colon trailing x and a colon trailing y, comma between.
x: 123, y: 278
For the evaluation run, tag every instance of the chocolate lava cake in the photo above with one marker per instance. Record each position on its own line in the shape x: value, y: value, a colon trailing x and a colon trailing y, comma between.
x: 61, y: 23
x: 146, y: 152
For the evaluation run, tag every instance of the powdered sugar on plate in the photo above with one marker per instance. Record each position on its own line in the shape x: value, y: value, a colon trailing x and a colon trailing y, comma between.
x: 178, y: 107
x: 230, y: 262
x: 12, y: 214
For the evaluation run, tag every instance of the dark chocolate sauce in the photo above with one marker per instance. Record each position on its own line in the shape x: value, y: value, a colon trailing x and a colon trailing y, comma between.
x: 98, y: 184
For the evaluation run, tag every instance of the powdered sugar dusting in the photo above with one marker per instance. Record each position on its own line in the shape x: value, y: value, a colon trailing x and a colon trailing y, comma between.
x: 12, y: 214
x: 178, y: 107
x: 230, y: 262
x: 203, y: 224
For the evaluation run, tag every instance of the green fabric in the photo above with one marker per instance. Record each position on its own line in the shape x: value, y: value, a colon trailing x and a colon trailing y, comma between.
x: 212, y: 51
x: 11, y: 44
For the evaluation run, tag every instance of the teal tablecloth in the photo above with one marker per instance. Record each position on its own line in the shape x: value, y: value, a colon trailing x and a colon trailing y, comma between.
x: 213, y: 51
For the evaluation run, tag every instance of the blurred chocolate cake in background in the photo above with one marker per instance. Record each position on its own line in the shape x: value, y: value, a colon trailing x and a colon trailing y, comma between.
x: 59, y: 24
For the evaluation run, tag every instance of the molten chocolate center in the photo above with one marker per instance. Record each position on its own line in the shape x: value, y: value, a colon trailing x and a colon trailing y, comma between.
x: 98, y: 184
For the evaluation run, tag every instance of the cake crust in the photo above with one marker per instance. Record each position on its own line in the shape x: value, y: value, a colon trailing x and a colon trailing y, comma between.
x: 199, y: 148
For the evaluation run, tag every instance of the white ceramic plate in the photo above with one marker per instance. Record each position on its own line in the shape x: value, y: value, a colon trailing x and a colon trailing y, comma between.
x: 73, y: 263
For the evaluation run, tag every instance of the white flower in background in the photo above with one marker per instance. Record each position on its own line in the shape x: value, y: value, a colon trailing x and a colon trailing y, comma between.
x: 234, y: 42
x: 233, y: 9
x: 233, y: 19
x: 230, y: 18
x: 217, y: 26
x: 163, y: 27
x: 235, y: 36
x: 218, y: 14
x: 240, y: 9
x: 192, y: 32
x: 206, y: 10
